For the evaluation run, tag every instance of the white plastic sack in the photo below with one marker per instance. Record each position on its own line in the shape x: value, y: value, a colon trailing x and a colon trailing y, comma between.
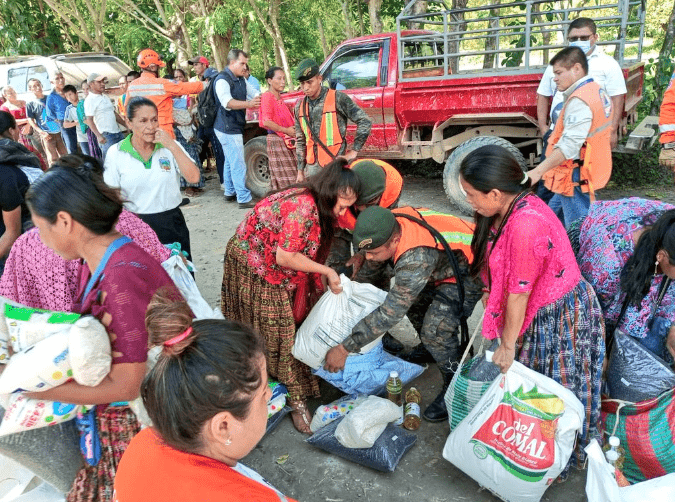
x: 24, y: 414
x: 520, y: 435
x: 137, y: 405
x: 332, y: 318
x: 4, y: 329
x: 28, y: 326
x: 327, y: 413
x: 601, y: 486
x: 186, y: 284
x: 42, y: 366
x: 362, y: 427
x: 89, y: 351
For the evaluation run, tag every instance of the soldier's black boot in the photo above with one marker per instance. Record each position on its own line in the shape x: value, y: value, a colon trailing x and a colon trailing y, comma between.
x: 436, y: 411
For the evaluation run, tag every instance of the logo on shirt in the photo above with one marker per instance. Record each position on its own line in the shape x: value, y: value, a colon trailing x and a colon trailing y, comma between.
x: 606, y: 102
x: 165, y: 163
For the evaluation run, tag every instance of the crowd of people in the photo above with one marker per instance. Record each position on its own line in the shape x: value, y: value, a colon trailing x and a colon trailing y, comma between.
x: 557, y: 271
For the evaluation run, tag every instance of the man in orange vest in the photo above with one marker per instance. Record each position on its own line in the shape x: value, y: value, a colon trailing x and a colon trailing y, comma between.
x: 579, y: 156
x: 667, y: 127
x: 321, y: 122
x: 159, y: 90
x: 423, y: 269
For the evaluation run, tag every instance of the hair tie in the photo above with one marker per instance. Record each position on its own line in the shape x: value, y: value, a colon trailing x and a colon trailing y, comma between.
x: 525, y: 178
x: 178, y: 338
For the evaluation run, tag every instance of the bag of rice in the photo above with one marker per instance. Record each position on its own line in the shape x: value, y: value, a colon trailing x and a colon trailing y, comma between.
x: 24, y: 414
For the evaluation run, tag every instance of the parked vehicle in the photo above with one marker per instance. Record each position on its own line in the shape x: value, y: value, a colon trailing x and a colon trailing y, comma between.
x: 18, y: 70
x: 461, y: 79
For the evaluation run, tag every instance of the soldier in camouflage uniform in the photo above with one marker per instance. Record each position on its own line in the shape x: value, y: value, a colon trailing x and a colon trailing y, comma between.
x: 421, y: 265
x: 313, y: 102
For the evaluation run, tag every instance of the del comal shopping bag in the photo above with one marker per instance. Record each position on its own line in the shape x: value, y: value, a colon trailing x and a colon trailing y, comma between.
x: 520, y: 435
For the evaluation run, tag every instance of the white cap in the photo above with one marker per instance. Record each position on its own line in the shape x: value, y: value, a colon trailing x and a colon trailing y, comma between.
x: 611, y: 455
x: 614, y: 441
x: 393, y: 374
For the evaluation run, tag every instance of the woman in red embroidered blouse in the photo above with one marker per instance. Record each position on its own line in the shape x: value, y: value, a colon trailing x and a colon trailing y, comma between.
x: 274, y: 270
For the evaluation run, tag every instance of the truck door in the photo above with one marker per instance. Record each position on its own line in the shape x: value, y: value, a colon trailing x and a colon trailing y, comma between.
x: 356, y: 70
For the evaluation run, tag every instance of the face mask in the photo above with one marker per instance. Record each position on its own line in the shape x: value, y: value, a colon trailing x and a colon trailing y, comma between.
x: 584, y: 45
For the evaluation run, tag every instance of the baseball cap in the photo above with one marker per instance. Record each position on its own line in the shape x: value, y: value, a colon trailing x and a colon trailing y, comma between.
x: 95, y: 76
x: 373, y: 228
x: 199, y: 59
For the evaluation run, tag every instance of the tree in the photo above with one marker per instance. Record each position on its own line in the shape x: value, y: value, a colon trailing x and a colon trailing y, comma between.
x: 664, y: 65
x: 374, y: 7
x: 75, y: 15
x: 270, y: 22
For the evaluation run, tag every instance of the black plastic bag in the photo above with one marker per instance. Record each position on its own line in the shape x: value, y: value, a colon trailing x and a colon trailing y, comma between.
x: 635, y: 374
x: 484, y: 370
x: 384, y: 455
x: 274, y: 420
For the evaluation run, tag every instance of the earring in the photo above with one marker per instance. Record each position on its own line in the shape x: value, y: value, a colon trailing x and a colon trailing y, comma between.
x: 228, y: 442
x: 656, y: 267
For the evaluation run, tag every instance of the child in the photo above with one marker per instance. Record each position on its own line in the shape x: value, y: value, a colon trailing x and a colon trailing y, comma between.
x: 72, y: 120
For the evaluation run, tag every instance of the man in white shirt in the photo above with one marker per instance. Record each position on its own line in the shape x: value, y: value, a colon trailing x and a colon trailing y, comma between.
x: 235, y: 95
x: 100, y: 114
x: 604, y: 69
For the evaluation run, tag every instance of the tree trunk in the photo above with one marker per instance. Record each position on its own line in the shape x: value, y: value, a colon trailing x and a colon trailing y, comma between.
x: 491, y: 39
x: 322, y: 38
x: 245, y: 34
x: 271, y: 25
x: 349, y: 29
x: 418, y: 8
x: 374, y: 7
x: 220, y: 46
x: 359, y: 5
x: 663, y: 67
x: 459, y: 28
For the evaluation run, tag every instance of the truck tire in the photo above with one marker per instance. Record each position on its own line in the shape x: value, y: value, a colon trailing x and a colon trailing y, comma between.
x: 451, y: 171
x: 257, y: 166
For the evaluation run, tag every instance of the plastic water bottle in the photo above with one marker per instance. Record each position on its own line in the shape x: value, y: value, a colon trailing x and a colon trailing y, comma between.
x: 617, y: 452
x: 395, y: 393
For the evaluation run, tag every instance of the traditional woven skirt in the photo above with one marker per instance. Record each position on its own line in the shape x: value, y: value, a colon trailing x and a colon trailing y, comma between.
x: 249, y: 298
x: 566, y: 342
x: 117, y: 426
x: 282, y: 162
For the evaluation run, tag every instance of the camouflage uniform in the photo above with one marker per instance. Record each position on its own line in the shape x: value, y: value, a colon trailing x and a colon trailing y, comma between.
x: 346, y: 109
x: 416, y: 272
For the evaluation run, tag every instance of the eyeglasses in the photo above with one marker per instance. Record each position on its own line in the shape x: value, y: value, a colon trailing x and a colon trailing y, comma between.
x: 583, y: 38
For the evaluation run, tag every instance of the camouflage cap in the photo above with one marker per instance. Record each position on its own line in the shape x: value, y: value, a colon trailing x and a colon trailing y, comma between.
x: 374, y: 227
x: 306, y: 70
x: 372, y: 179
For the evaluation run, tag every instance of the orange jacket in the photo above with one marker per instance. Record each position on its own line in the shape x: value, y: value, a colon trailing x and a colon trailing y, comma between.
x: 457, y: 232
x: 393, y: 184
x: 667, y: 114
x: 161, y: 92
x: 329, y: 133
x: 596, y: 154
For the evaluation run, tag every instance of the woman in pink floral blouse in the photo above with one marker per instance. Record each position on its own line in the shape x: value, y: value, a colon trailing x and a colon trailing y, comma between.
x: 274, y: 270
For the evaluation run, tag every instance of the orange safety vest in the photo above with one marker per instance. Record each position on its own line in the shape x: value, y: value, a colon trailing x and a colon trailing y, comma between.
x: 329, y: 134
x: 393, y: 184
x: 667, y: 114
x: 457, y: 232
x: 596, y: 153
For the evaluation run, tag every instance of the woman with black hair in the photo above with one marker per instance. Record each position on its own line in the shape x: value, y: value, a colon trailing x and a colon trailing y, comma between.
x: 146, y: 166
x: 207, y: 398
x: 75, y: 213
x: 274, y: 269
x: 536, y: 301
x: 18, y: 168
x: 277, y: 118
x: 627, y: 253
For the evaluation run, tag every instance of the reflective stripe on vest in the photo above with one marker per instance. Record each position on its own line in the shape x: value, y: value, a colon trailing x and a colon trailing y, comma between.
x: 146, y: 90
x: 595, y: 155
x: 329, y: 133
x: 666, y: 127
x: 457, y: 232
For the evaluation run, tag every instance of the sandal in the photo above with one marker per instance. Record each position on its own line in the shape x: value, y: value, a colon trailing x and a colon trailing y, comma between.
x: 301, y: 416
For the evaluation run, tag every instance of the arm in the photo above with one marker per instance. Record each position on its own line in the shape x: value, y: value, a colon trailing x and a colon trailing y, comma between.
x: 351, y: 110
x: 300, y: 262
x: 267, y: 116
x: 90, y: 122
x: 33, y: 124
x: 67, y: 124
x: 412, y: 272
x: 273, y: 126
x: 617, y: 112
x: 182, y: 88
x: 123, y: 383
x: 300, y: 144
x: 185, y: 164
x: 543, y: 107
x: 12, y: 221
x: 119, y: 119
x: 516, y: 305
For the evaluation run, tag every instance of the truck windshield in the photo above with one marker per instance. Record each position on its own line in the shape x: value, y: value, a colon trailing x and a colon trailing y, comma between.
x: 354, y: 68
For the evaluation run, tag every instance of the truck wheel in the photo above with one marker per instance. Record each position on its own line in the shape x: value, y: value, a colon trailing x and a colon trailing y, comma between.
x: 257, y: 166
x: 451, y: 172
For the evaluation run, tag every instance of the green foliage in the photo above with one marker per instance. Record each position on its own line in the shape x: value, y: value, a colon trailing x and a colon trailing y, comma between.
x: 639, y: 170
x: 658, y: 72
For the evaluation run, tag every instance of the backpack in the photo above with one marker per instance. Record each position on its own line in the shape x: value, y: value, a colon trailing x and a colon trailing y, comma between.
x: 208, y: 104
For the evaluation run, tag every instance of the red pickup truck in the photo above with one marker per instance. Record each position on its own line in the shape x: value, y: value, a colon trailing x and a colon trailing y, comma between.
x: 440, y: 95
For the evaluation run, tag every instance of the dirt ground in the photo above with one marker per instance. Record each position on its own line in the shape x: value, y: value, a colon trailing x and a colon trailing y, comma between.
x: 311, y: 474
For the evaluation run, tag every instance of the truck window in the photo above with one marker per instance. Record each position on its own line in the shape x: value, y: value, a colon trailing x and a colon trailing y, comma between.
x: 354, y: 69
x: 16, y: 77
x: 39, y: 72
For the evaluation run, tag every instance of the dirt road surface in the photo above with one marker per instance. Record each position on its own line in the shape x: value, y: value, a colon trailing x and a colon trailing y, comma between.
x: 310, y: 474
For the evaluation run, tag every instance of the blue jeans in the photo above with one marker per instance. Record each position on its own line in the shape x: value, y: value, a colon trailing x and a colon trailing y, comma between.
x: 210, y: 134
x: 570, y: 209
x: 111, y: 138
x: 69, y: 136
x: 84, y: 146
x: 234, y: 168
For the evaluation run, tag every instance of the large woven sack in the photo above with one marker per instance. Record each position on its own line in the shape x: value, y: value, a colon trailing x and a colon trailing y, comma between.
x: 463, y: 394
x: 646, y: 433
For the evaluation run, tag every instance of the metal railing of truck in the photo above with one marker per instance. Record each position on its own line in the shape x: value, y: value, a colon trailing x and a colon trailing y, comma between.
x: 508, y: 38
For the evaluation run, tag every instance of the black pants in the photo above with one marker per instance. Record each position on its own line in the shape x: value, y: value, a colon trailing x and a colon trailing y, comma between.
x: 170, y: 227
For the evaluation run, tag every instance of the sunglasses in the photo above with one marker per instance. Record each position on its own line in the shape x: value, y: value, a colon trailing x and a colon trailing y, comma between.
x: 583, y: 38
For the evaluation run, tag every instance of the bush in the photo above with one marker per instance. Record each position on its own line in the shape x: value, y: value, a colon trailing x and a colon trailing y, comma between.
x: 640, y: 169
